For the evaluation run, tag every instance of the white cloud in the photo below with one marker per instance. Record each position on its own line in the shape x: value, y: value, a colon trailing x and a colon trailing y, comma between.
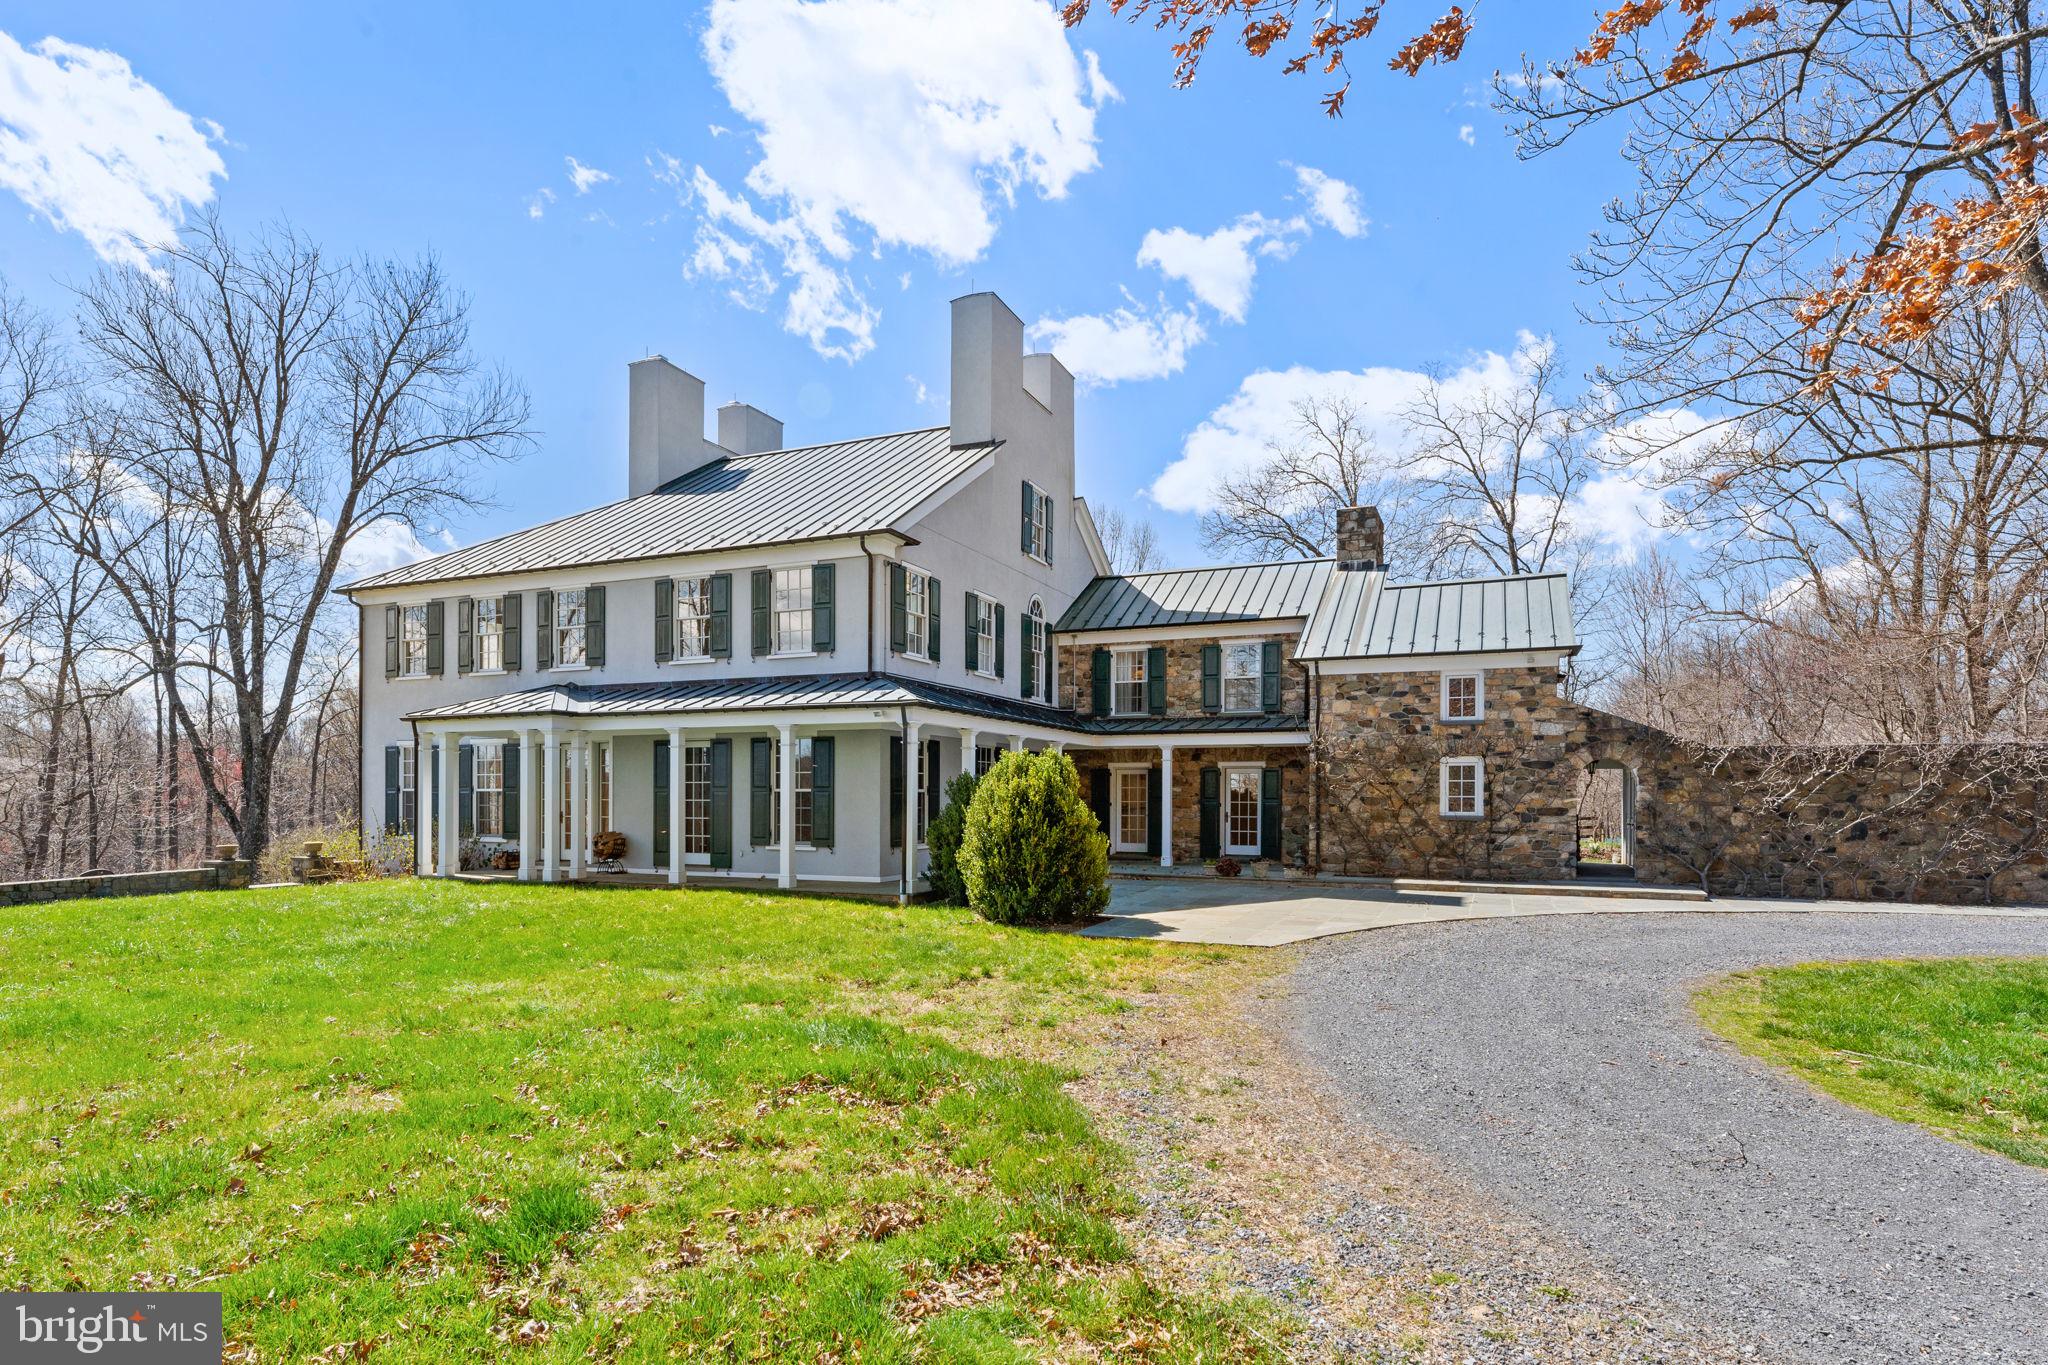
x: 386, y: 544
x: 537, y: 206
x: 1465, y: 135
x: 1219, y: 268
x: 585, y: 178
x: 1100, y: 91
x: 1332, y: 202
x: 896, y: 124
x: 1130, y: 343
x: 823, y: 305
x: 99, y: 151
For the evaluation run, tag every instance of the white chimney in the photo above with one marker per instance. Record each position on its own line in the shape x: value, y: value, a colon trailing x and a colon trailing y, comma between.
x: 988, y: 367
x: 665, y: 425
x: 746, y: 430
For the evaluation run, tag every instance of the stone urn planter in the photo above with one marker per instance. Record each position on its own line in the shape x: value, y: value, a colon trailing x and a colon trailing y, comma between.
x: 225, y: 852
x: 311, y: 848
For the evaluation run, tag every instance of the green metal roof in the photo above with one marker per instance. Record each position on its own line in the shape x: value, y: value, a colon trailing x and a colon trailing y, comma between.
x: 1363, y: 616
x: 1181, y: 597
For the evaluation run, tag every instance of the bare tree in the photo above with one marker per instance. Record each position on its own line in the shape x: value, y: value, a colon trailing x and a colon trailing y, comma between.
x: 1286, y: 506
x: 1131, y: 543
x: 283, y: 404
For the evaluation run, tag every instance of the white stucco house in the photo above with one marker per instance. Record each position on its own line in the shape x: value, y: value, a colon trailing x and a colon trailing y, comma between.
x: 764, y: 663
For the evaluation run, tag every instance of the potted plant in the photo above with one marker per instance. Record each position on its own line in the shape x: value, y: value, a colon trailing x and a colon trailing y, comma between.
x: 1227, y: 866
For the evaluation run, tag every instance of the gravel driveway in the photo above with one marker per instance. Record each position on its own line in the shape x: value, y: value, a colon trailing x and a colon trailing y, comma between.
x: 1556, y: 1063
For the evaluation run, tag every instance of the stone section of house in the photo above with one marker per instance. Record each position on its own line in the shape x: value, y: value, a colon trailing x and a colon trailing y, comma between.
x: 1297, y: 793
x: 227, y: 874
x: 1380, y: 743
x: 1183, y: 673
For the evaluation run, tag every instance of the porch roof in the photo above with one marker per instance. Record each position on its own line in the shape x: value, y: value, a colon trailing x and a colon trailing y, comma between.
x: 837, y: 690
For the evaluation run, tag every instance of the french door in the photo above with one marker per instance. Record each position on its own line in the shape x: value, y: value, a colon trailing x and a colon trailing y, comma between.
x: 1130, y: 821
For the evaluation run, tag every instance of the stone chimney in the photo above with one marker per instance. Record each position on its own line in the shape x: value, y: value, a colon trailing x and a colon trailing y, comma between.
x: 746, y: 430
x: 1361, y: 538
x: 664, y: 425
x: 988, y: 368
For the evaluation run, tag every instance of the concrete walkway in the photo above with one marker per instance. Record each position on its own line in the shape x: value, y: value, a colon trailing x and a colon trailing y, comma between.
x: 1265, y: 915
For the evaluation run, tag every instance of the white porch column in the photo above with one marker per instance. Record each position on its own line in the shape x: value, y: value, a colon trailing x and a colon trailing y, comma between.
x: 968, y: 757
x: 675, y: 805
x: 1166, y: 805
x: 422, y: 808
x: 785, y: 757
x: 1016, y: 744
x: 551, y: 808
x: 531, y: 778
x: 579, y: 833
x: 593, y: 793
x: 445, y: 818
x: 913, y: 779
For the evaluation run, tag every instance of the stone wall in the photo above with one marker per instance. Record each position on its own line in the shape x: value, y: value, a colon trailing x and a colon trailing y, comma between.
x: 1297, y: 794
x: 1183, y: 675
x: 225, y: 874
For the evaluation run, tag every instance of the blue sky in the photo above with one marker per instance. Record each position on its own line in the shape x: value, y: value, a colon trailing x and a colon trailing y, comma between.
x: 742, y: 146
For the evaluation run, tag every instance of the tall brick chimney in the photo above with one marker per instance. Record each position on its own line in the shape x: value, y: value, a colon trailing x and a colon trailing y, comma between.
x: 1361, y: 538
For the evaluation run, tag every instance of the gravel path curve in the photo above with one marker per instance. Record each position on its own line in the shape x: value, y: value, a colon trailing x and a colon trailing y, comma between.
x: 1557, y: 1063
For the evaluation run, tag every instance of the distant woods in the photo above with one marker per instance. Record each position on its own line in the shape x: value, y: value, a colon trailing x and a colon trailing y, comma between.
x: 186, y: 471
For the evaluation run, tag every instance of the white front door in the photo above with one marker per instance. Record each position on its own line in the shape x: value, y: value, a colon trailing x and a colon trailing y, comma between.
x: 1241, y: 811
x: 1131, y: 818
x: 697, y: 804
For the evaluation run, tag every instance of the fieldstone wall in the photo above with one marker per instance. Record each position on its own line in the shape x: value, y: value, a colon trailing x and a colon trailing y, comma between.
x: 1297, y: 793
x: 1958, y: 823
x: 1183, y: 675
x: 220, y: 875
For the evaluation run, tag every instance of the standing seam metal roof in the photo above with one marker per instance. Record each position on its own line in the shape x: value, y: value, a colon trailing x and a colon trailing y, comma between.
x: 1365, y: 617
x: 776, y: 496
x: 1180, y: 597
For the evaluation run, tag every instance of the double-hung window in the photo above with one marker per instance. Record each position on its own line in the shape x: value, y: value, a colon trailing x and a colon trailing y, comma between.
x: 1127, y: 690
x: 803, y: 792
x: 408, y: 785
x: 917, y: 591
x: 1241, y: 678
x: 985, y: 756
x: 490, y: 635
x: 984, y: 626
x: 412, y: 641
x: 1464, y: 697
x: 692, y: 618
x: 570, y: 626
x: 489, y: 760
x: 1464, y: 788
x: 1038, y: 534
x: 792, y: 608
x: 1035, y: 653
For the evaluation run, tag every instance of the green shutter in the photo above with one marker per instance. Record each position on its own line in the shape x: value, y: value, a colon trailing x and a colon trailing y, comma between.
x: 973, y: 631
x: 391, y: 642
x: 1212, y: 678
x: 763, y: 585
x: 509, y: 610
x: 593, y: 626
x: 895, y: 791
x: 934, y: 790
x: 1153, y: 796
x: 721, y: 616
x: 1100, y: 664
x: 664, y: 620
x: 721, y: 803
x: 510, y: 825
x: 1211, y: 808
x: 1025, y: 672
x: 999, y: 639
x: 1269, y: 676
x: 1098, y: 798
x: 760, y: 799
x: 544, y: 630
x: 932, y: 633
x: 899, y: 611
x: 1155, y: 680
x: 1030, y: 506
x: 1269, y: 813
x: 392, y: 764
x: 465, y: 635
x: 823, y: 829
x: 661, y: 765
x: 823, y: 622
x: 437, y: 622
x: 465, y: 791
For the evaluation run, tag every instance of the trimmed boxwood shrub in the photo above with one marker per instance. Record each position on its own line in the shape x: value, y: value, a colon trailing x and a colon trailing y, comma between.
x: 942, y: 837
x: 1032, y: 852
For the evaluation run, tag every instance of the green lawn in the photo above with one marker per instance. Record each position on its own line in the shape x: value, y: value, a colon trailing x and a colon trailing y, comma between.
x: 429, y: 1120
x: 1959, y: 1046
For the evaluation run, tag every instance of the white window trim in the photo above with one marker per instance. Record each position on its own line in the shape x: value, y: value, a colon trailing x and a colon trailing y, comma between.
x: 676, y: 618
x: 1040, y: 532
x: 1117, y: 772
x: 808, y: 612
x: 555, y: 628
x: 405, y: 612
x: 1223, y: 706
x: 985, y: 658
x: 923, y: 655
x: 1122, y: 652
x: 1258, y: 843
x: 1443, y: 709
x: 1443, y: 789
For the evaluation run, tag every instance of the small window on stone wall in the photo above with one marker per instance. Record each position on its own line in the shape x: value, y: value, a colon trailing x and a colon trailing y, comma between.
x: 1464, y: 696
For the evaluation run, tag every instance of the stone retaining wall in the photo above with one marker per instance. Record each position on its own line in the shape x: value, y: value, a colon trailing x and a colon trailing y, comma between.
x: 222, y: 875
